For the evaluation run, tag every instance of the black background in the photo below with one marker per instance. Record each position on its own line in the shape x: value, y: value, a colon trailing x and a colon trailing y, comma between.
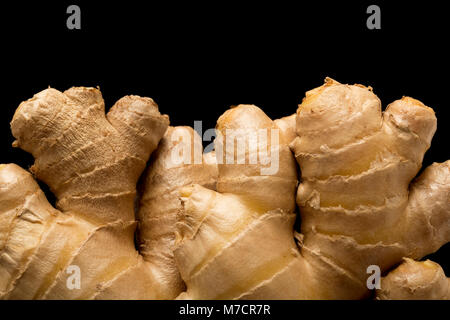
x: 195, y: 59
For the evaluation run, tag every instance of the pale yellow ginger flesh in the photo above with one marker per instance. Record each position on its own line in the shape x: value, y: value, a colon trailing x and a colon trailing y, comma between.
x: 357, y: 204
x: 92, y: 163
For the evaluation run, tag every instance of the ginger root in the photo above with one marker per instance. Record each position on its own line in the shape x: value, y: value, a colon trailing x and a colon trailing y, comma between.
x: 414, y: 280
x: 92, y: 163
x: 356, y: 203
x: 221, y: 225
x: 160, y: 205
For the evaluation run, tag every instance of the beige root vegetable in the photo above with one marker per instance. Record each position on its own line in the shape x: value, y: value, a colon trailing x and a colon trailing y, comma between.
x: 91, y: 163
x: 415, y: 280
x: 172, y: 166
x: 287, y: 127
x: 356, y: 203
x: 423, y: 280
x: 242, y: 234
x: 357, y: 206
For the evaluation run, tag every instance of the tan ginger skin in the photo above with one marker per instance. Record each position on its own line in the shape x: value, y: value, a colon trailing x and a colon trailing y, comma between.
x: 224, y: 231
x: 348, y: 152
x: 92, y: 164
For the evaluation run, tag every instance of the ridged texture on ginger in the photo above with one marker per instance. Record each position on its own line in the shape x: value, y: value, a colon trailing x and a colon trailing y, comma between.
x: 178, y: 161
x: 241, y: 236
x: 356, y: 203
x: 414, y: 280
x: 92, y: 163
